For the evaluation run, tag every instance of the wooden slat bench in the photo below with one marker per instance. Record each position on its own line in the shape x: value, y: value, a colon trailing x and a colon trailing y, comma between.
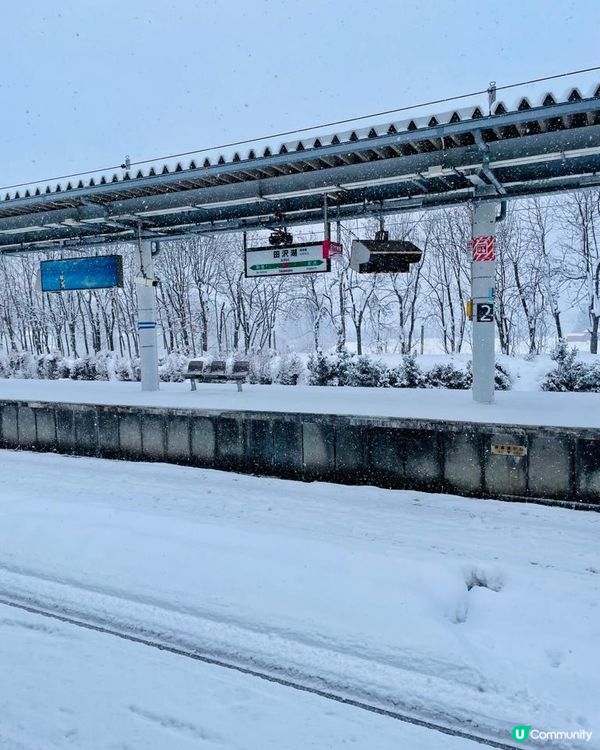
x: 216, y: 372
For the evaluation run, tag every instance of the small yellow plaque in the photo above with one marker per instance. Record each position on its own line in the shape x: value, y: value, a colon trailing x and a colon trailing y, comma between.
x: 504, y: 449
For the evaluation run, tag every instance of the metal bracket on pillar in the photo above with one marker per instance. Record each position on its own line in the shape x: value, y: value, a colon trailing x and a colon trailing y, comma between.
x: 486, y: 170
x: 502, y: 215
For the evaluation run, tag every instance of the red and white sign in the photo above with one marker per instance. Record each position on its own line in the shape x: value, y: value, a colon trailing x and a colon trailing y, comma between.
x: 483, y: 248
x: 331, y: 248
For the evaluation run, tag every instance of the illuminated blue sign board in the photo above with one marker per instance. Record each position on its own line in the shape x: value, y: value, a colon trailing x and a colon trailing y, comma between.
x: 98, y: 272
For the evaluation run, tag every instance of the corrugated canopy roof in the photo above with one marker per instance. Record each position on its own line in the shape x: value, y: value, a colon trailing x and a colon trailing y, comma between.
x: 531, y: 147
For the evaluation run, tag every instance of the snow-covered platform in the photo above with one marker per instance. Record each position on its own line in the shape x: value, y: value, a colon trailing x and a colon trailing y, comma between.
x: 511, y: 407
x: 538, y: 446
x: 479, y: 614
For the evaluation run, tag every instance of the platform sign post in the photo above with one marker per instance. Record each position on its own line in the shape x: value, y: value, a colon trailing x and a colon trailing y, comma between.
x: 483, y: 277
x: 146, y: 300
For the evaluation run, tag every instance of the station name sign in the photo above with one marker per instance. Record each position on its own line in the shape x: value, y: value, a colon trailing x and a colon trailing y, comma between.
x: 287, y: 260
x: 97, y: 272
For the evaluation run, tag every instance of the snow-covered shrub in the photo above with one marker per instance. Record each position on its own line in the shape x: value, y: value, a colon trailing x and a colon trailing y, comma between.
x: 387, y: 375
x: 343, y: 368
x: 48, y: 365
x: 331, y: 369
x: 172, y: 367
x: 63, y: 370
x: 261, y: 367
x: 408, y: 374
x: 22, y: 365
x: 563, y: 355
x: 136, y: 369
x: 570, y: 375
x: 413, y: 374
x: 365, y: 372
x: 123, y: 370
x: 394, y: 377
x: 503, y: 378
x: 342, y: 364
x: 105, y: 366
x: 75, y: 368
x: 291, y: 369
x: 84, y: 368
x: 447, y: 376
x: 590, y: 379
x: 321, y: 369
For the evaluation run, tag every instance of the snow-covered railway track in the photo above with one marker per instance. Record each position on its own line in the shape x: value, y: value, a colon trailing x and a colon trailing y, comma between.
x: 286, y: 681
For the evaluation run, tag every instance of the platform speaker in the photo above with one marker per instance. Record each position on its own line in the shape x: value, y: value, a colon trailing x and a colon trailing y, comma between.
x: 383, y: 255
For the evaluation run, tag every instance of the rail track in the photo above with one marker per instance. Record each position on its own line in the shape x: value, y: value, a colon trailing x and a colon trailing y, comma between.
x: 206, y: 658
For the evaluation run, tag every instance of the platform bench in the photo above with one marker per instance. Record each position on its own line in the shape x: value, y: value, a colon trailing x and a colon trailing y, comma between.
x: 216, y: 372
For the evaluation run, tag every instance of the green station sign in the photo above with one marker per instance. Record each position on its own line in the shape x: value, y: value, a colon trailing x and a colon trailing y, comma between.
x: 286, y: 260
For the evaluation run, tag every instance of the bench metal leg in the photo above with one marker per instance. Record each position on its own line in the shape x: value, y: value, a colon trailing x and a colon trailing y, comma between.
x: 193, y: 382
x: 239, y: 385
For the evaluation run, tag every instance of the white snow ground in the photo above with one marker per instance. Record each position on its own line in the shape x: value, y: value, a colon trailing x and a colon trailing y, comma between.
x: 511, y: 407
x: 482, y: 613
x: 66, y: 688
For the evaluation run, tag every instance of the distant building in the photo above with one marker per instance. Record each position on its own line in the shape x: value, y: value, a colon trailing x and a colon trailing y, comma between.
x: 579, y: 337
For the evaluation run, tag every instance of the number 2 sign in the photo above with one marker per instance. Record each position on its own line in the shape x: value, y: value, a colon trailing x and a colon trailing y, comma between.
x: 485, y: 312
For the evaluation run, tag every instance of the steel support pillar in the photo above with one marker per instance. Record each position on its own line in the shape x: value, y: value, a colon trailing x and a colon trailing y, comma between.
x: 327, y: 225
x: 483, y: 273
x: 146, y: 299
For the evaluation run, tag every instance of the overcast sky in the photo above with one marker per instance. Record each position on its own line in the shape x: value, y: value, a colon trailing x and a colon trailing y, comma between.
x: 83, y: 82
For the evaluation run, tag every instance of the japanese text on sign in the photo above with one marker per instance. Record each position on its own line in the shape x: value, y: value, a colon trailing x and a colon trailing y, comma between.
x: 483, y: 248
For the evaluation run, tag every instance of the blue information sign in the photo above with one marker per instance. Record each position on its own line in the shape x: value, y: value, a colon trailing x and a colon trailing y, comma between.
x: 97, y: 272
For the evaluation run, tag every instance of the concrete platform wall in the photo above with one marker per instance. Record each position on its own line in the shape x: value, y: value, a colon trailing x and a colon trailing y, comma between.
x: 561, y: 465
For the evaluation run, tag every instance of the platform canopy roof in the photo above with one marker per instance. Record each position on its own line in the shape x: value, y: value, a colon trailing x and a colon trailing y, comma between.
x: 531, y: 148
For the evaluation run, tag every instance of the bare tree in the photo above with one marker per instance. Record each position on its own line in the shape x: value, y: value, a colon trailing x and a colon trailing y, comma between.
x: 447, y: 273
x: 581, y: 214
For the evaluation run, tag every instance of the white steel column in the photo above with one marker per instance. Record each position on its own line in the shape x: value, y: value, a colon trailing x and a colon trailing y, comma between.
x: 146, y: 299
x: 483, y: 273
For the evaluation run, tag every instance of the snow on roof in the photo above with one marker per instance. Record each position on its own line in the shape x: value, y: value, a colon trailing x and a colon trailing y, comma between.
x: 203, y: 159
